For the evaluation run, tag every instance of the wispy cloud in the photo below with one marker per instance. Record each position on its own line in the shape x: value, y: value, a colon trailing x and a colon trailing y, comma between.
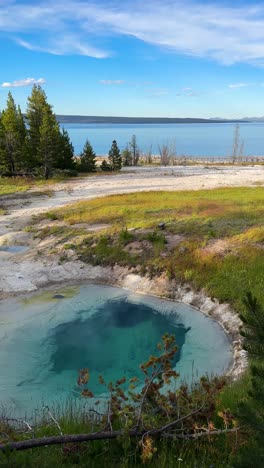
x: 25, y: 82
x: 227, y: 34
x: 158, y: 92
x: 239, y: 85
x: 187, y: 92
x: 64, y: 45
x: 112, y: 82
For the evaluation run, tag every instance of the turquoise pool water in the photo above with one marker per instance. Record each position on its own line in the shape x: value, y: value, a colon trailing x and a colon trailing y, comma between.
x: 45, y: 339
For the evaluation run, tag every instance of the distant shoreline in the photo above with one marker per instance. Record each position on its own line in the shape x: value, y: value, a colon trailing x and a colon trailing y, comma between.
x: 82, y: 119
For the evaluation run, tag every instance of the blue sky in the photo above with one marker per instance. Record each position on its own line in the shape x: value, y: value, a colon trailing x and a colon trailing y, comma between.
x: 168, y: 58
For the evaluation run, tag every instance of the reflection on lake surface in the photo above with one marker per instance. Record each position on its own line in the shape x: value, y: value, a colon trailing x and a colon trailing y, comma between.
x: 47, y: 338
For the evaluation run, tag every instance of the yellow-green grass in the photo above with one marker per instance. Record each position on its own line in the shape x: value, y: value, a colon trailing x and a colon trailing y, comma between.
x: 232, y: 207
x: 235, y: 215
x: 10, y: 185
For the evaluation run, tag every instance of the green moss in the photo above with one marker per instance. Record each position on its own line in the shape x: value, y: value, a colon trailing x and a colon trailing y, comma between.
x: 48, y: 296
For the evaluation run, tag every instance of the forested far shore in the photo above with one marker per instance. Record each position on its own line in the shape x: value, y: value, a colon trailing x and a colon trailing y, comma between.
x: 92, y: 119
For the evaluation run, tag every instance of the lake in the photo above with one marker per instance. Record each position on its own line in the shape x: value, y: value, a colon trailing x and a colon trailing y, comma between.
x: 210, y: 140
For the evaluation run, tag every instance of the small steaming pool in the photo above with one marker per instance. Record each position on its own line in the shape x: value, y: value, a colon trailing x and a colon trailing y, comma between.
x: 14, y: 248
x: 45, y: 338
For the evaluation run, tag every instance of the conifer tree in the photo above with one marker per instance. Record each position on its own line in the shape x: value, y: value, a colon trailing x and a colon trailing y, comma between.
x: 64, y: 158
x: 251, y: 410
x: 21, y: 126
x: 88, y: 158
x: 36, y: 107
x: 48, y: 138
x: 3, y: 163
x: 105, y: 166
x: 13, y: 137
x: 126, y: 157
x: 114, y: 157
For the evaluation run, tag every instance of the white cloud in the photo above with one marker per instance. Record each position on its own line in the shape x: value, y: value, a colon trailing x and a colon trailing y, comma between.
x: 112, y: 82
x: 227, y: 34
x: 239, y: 85
x: 65, y: 45
x: 26, y: 82
x: 187, y: 92
x: 158, y: 92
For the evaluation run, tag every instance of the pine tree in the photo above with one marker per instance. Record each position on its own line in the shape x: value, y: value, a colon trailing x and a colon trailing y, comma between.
x: 126, y: 157
x: 13, y: 137
x: 88, y: 158
x: 21, y: 126
x: 251, y: 410
x: 23, y: 139
x: 64, y: 158
x: 48, y: 139
x: 37, y: 105
x: 105, y: 166
x: 3, y: 165
x: 114, y: 157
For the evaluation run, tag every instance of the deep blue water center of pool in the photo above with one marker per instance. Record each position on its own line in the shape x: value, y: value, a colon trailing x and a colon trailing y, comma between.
x: 46, y: 338
x: 112, y: 342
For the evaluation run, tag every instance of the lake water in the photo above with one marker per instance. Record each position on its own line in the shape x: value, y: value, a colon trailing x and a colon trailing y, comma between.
x: 211, y: 140
x: 45, y: 339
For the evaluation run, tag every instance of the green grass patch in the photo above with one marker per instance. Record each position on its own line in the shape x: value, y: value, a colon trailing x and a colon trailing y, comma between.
x: 9, y: 185
x: 235, y: 215
x: 12, y: 185
x: 225, y: 210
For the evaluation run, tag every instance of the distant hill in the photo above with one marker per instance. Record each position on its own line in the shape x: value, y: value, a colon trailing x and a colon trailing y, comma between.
x: 253, y: 119
x: 82, y: 119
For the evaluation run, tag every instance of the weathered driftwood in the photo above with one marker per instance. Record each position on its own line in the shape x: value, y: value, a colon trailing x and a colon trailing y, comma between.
x: 78, y: 438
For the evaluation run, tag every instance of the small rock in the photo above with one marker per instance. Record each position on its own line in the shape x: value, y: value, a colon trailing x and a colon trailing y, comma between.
x: 161, y: 226
x: 58, y: 296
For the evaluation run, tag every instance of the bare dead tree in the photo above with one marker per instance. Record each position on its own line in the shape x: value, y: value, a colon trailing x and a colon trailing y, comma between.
x: 235, y: 144
x: 241, y: 150
x: 149, y: 156
x: 164, y: 154
x: 92, y: 436
x: 134, y: 150
x: 167, y: 153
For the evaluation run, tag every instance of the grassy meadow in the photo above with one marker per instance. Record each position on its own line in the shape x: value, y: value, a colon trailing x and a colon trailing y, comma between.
x: 219, y: 236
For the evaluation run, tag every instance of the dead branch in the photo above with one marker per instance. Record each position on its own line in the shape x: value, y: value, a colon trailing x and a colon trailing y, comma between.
x: 78, y: 438
x: 201, y: 434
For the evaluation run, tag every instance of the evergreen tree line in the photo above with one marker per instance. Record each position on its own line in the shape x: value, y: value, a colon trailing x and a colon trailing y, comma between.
x: 35, y: 144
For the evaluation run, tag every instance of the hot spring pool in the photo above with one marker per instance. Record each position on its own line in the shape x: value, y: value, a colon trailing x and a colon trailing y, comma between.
x: 45, y: 338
